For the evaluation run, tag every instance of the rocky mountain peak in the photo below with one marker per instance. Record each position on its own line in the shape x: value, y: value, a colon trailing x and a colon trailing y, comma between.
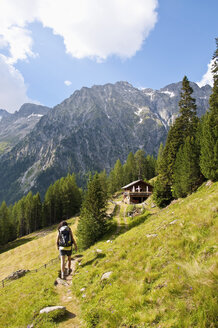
x: 89, y: 131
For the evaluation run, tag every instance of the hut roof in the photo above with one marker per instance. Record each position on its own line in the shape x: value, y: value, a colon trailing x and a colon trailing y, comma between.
x: 134, y: 182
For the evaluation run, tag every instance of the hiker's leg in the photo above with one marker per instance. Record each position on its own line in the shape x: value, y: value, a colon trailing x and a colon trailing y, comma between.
x: 69, y: 262
x: 62, y: 263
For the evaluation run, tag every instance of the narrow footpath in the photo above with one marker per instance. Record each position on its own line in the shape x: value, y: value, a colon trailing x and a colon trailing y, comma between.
x: 67, y: 299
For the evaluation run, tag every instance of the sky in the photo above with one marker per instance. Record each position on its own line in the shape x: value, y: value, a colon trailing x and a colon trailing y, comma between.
x: 50, y: 48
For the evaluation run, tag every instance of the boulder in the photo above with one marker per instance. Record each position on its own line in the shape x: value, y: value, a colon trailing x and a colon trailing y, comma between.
x: 209, y: 183
x: 60, y: 281
x: 17, y: 274
x: 48, y: 309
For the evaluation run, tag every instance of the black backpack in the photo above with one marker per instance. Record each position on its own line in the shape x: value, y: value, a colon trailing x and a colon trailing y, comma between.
x: 65, y: 239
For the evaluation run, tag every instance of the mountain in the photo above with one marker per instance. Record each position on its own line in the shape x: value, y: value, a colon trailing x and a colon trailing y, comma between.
x: 14, y: 127
x: 3, y: 113
x: 89, y: 131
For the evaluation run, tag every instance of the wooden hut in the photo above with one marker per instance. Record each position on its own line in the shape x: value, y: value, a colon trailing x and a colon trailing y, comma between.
x: 136, y: 192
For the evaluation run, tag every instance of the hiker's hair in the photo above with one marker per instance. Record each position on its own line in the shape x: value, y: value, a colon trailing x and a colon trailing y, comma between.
x: 62, y: 223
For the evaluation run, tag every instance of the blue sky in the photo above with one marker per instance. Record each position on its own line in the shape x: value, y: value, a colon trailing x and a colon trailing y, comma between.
x: 50, y: 48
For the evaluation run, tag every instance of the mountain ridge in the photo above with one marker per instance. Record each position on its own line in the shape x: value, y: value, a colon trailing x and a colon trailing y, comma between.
x: 90, y: 130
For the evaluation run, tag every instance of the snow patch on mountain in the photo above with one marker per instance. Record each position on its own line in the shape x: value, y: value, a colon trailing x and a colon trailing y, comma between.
x: 34, y: 115
x: 170, y: 93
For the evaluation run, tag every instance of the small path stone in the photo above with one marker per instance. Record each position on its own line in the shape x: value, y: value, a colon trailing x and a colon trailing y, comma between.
x: 152, y: 235
x: 106, y: 275
x: 173, y: 222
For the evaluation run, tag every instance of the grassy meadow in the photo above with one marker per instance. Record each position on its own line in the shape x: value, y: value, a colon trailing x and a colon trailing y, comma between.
x: 31, y: 251
x: 163, y: 271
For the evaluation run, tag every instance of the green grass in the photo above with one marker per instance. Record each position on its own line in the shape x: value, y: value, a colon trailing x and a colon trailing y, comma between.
x: 21, y: 300
x: 31, y: 251
x: 163, y: 275
x: 164, y: 271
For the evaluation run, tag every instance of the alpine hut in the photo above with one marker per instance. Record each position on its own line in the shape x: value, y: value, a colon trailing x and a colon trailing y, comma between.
x: 136, y: 192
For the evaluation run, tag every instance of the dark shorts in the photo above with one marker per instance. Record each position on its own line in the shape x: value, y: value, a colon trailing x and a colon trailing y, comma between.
x: 63, y: 252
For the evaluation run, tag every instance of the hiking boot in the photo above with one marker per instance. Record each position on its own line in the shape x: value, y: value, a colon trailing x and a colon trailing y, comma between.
x: 69, y: 271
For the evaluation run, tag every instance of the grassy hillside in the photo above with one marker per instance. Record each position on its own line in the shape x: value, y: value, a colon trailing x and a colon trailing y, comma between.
x: 163, y: 271
x: 31, y: 251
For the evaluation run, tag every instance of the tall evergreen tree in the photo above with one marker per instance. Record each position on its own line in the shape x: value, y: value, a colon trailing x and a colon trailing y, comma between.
x: 118, y: 175
x: 130, y: 169
x: 151, y: 166
x: 141, y: 164
x: 209, y: 139
x: 92, y: 224
x: 162, y: 191
x: 21, y: 227
x: 159, y: 158
x: 185, y: 125
x: 4, y: 222
x: 28, y: 212
x: 37, y: 212
x: 186, y: 177
x: 111, y: 182
x: 104, y: 181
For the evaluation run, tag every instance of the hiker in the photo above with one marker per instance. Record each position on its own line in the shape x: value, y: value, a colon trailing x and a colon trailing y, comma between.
x: 65, y: 241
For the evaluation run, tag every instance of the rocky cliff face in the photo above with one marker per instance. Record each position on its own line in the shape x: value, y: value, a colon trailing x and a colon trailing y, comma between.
x: 14, y: 127
x: 89, y: 131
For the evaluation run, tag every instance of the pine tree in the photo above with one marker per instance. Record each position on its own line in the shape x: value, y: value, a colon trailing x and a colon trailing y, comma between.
x: 118, y: 175
x: 185, y: 125
x: 37, y: 212
x: 49, y: 206
x: 159, y: 157
x: 186, y: 177
x: 111, y: 183
x: 4, y: 222
x: 104, y: 181
x: 187, y: 109
x: 21, y: 226
x: 28, y: 212
x: 92, y: 224
x: 129, y: 168
x: 162, y: 192
x: 141, y: 164
x: 209, y: 139
x: 151, y: 167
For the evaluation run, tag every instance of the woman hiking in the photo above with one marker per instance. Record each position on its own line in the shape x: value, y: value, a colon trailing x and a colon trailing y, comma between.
x: 65, y: 241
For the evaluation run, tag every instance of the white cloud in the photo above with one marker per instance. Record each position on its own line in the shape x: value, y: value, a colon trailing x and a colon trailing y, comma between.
x: 90, y: 28
x: 207, y: 77
x: 12, y: 87
x: 67, y: 83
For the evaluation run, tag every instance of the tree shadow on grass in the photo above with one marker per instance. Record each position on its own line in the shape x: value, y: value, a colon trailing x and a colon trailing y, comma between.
x: 138, y: 220
x: 98, y: 256
x: 14, y: 244
x: 113, y: 233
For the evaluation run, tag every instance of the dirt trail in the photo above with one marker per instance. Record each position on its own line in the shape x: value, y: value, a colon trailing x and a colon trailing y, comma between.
x: 68, y: 300
x: 121, y: 208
